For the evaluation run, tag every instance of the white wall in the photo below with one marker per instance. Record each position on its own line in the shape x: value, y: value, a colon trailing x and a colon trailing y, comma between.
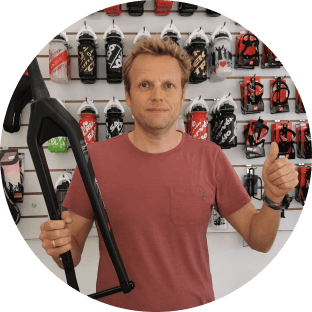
x: 225, y: 248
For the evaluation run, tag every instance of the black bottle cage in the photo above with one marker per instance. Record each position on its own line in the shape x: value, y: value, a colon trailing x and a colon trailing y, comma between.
x: 251, y: 181
x: 248, y: 43
x: 49, y: 119
x: 284, y: 143
x: 252, y: 96
x: 279, y: 85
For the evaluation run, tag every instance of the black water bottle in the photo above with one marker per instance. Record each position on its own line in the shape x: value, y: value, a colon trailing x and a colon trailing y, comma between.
x: 114, y: 122
x: 87, y: 63
x: 113, y: 38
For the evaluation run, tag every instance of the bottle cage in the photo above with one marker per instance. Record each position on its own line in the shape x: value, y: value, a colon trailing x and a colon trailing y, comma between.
x: 269, y: 59
x: 49, y: 119
x: 251, y: 181
x: 254, y: 96
x: 277, y: 87
x: 243, y: 57
x: 257, y: 128
x: 284, y: 143
x: 307, y: 140
x: 249, y: 43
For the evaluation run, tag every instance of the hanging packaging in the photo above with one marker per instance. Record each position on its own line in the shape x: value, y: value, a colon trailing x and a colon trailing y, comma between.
x: 114, y: 10
x: 114, y: 112
x: 163, y: 7
x: 251, y: 95
x: 301, y: 190
x: 197, y: 120
x: 299, y: 108
x: 220, y: 54
x: 87, y: 63
x: 58, y: 144
x: 196, y: 46
x: 279, y: 96
x: 186, y: 9
x: 282, y: 134
x: 136, y: 8
x: 113, y: 38
x: 254, y: 134
x: 88, y: 124
x: 303, y: 136
x: 211, y: 13
x: 171, y: 31
x: 223, y: 124
x: 12, y: 174
x: 247, y: 50
x: 269, y: 59
x: 59, y: 59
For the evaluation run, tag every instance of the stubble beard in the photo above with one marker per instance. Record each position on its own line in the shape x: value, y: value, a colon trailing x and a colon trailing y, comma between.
x: 155, y: 128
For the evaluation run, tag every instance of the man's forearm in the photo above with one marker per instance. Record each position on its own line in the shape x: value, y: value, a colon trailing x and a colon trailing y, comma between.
x: 75, y: 251
x: 263, y: 228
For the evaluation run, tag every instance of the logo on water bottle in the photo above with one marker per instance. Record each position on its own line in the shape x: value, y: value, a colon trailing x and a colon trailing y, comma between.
x: 114, y: 55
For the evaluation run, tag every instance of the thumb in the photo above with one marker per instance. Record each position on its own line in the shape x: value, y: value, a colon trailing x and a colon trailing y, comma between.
x: 66, y: 217
x: 273, y: 153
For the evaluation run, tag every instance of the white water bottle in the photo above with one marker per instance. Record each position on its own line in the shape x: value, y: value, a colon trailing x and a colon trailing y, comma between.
x: 221, y: 54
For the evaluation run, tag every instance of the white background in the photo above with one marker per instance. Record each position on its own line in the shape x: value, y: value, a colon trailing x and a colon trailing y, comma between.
x: 232, y: 265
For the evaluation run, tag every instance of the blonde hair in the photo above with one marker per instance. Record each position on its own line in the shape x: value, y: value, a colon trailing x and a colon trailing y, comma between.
x: 157, y: 47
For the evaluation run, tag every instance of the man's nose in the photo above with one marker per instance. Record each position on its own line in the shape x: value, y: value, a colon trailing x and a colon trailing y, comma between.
x: 157, y: 93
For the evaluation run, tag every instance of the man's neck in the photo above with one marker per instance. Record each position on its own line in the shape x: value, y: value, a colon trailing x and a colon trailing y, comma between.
x: 155, y: 144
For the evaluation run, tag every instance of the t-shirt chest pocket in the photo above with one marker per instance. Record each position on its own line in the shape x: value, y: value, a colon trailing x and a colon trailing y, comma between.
x: 186, y: 205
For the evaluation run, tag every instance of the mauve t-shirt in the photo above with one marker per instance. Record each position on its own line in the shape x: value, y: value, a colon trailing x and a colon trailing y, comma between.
x: 159, y: 206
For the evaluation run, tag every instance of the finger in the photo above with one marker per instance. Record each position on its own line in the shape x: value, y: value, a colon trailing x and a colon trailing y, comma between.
x: 50, y: 235
x: 279, y: 163
x: 66, y: 216
x: 48, y: 244
x: 282, y: 171
x: 52, y: 225
x: 290, y: 185
x: 285, y: 178
x: 56, y: 252
x: 273, y: 153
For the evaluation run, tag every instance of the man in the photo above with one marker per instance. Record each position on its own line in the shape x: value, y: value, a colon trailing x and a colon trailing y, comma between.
x: 158, y: 185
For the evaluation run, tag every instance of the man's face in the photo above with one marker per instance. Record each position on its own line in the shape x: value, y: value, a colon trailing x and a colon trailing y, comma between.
x: 156, y: 95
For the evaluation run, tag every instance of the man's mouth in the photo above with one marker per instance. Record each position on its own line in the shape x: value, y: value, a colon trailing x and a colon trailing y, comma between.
x: 156, y: 110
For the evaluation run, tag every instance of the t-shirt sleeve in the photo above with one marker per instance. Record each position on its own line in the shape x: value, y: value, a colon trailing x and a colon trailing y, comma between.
x: 230, y: 191
x: 77, y: 199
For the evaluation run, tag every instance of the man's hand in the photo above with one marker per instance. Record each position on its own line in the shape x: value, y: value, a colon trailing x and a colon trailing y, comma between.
x: 279, y: 175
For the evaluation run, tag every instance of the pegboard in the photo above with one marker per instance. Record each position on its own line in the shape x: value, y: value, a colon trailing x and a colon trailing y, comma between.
x: 33, y: 208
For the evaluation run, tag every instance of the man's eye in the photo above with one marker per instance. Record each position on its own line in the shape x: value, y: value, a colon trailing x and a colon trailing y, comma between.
x: 169, y: 85
x: 144, y: 84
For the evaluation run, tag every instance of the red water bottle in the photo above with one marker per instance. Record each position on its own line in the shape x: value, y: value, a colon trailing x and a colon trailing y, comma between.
x: 198, y: 123
x: 88, y: 124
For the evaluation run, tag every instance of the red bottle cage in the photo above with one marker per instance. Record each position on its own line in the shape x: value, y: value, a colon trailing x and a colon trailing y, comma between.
x: 49, y: 119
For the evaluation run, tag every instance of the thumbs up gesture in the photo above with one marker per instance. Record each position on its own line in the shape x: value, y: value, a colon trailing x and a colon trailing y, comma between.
x: 279, y: 175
